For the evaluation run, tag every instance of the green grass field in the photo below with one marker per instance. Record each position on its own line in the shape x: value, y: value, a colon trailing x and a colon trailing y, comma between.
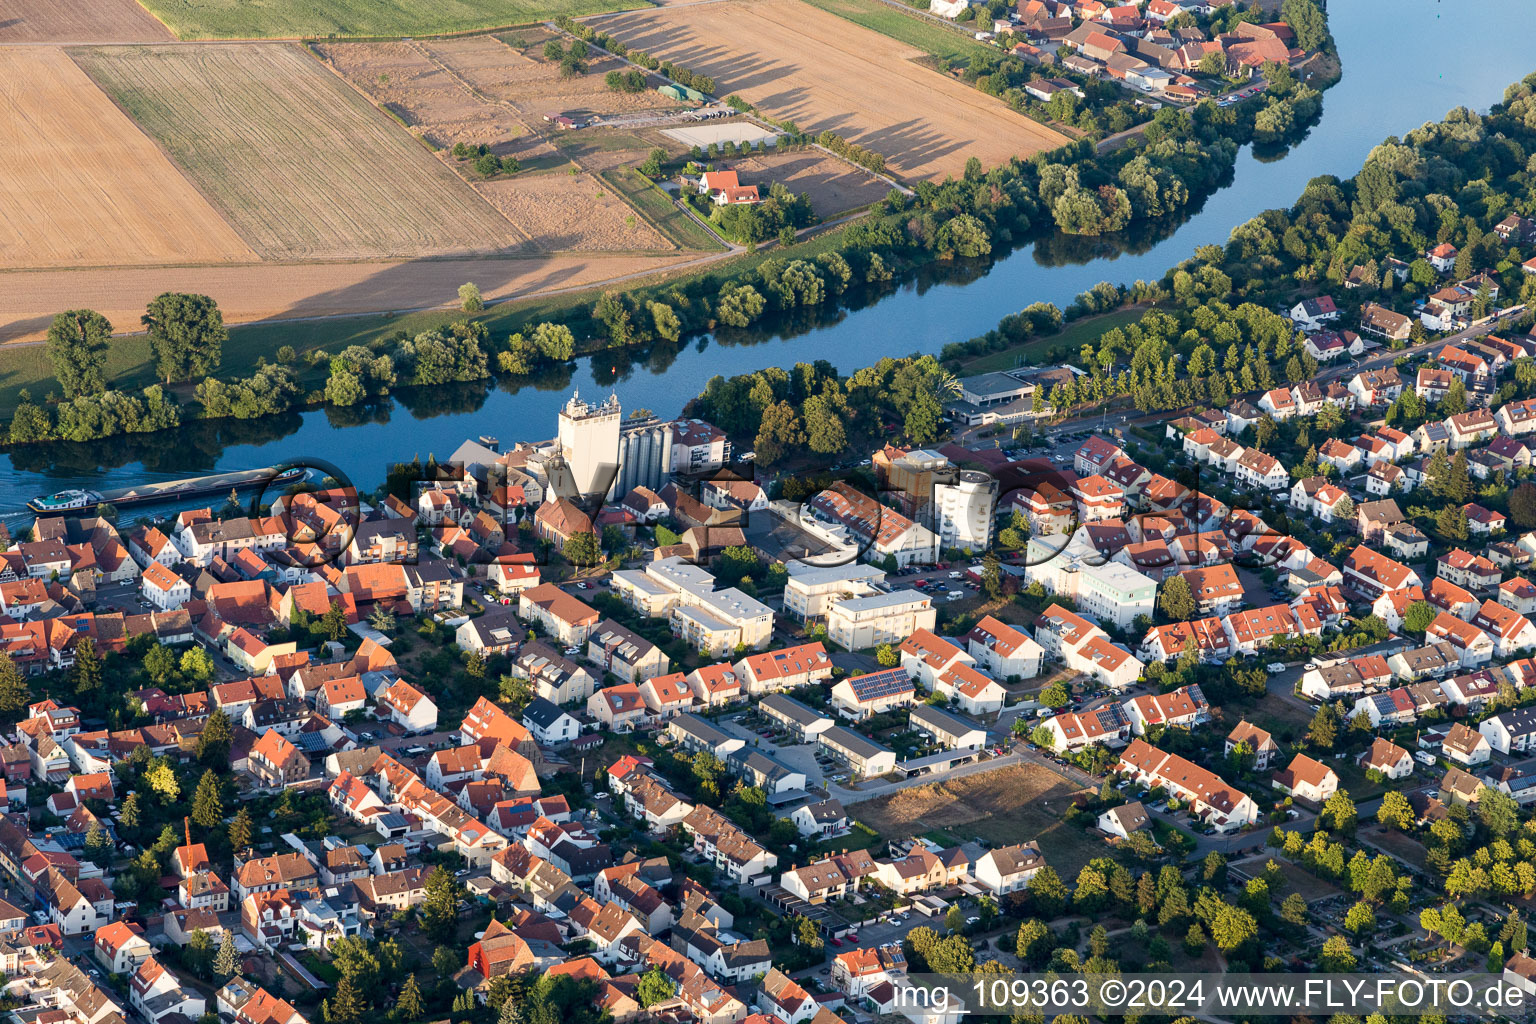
x: 283, y: 19
x: 1074, y: 335
x: 655, y: 207
x: 949, y: 44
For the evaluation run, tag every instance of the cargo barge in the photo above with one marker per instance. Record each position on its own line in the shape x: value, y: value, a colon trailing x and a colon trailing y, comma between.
x: 79, y: 501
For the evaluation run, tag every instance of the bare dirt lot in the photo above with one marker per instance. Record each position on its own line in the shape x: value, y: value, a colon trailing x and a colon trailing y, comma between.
x: 300, y: 164
x: 29, y: 299
x: 1017, y: 804
x: 572, y: 212
x: 834, y: 186
x: 797, y: 62
x: 78, y: 21
x: 81, y: 185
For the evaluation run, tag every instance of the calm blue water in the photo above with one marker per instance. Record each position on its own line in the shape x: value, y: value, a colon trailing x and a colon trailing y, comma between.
x: 1405, y: 63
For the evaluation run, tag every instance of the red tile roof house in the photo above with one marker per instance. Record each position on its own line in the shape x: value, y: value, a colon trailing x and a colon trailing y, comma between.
x: 1310, y: 782
x: 120, y: 947
x: 275, y: 762
x: 563, y: 616
x: 726, y: 188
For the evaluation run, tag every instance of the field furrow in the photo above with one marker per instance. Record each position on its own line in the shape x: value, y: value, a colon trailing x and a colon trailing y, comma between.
x: 302, y: 166
x: 796, y: 62
x: 81, y: 185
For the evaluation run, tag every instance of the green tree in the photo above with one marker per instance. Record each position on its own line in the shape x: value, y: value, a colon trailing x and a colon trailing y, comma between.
x: 654, y: 987
x: 227, y: 963
x: 1338, y: 814
x: 345, y: 1006
x: 160, y: 663
x: 1047, y: 892
x: 1055, y: 695
x: 197, y: 665
x: 440, y: 907
x: 886, y: 656
x: 186, y: 335
x: 334, y: 622
x: 1522, y: 505
x: 1307, y: 21
x: 160, y: 779
x: 408, y: 1005
x: 214, y: 741
x: 14, y: 695
x: 1395, y: 811
x: 241, y: 830
x: 1324, y: 728
x: 1176, y: 601
x: 77, y: 349
x: 198, y: 956
x: 470, y: 300
x: 807, y: 935
x: 1336, y: 956
x: 131, y: 813
x: 86, y: 672
x: 779, y: 435
x: 1293, y: 909
x: 207, y: 804
x: 1418, y: 617
x: 582, y: 549
x: 98, y: 846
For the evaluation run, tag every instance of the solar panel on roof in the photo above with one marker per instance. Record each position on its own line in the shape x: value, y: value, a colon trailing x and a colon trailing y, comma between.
x: 886, y: 683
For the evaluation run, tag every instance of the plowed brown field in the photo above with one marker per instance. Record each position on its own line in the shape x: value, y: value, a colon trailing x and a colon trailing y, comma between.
x: 81, y: 185
x: 797, y: 62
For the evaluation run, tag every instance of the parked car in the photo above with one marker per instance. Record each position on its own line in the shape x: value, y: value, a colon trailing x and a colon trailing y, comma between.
x: 1275, y: 666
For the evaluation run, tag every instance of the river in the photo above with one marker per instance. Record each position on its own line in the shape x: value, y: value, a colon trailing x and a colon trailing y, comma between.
x: 1405, y: 63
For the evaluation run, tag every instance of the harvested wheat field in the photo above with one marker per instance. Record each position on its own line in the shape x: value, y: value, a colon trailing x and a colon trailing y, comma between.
x: 29, y: 299
x: 78, y: 21
x: 797, y: 62
x: 833, y: 185
x: 81, y: 185
x: 574, y: 212
x: 300, y: 164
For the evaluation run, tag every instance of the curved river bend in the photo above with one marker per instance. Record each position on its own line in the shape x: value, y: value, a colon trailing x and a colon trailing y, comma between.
x: 1405, y: 62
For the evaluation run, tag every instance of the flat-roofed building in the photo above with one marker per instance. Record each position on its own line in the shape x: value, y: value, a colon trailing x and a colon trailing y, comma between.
x: 810, y: 589
x: 880, y: 618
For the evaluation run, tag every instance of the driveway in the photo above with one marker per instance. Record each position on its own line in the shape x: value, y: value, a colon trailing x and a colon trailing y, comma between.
x: 800, y: 756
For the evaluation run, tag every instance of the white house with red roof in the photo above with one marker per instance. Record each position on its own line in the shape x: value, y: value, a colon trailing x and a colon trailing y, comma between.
x: 1311, y: 314
x: 1183, y: 708
x: 1095, y: 454
x: 408, y: 707
x: 1306, y: 779
x: 1210, y: 797
x: 1279, y: 403
x: 1075, y: 730
x: 1005, y: 652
